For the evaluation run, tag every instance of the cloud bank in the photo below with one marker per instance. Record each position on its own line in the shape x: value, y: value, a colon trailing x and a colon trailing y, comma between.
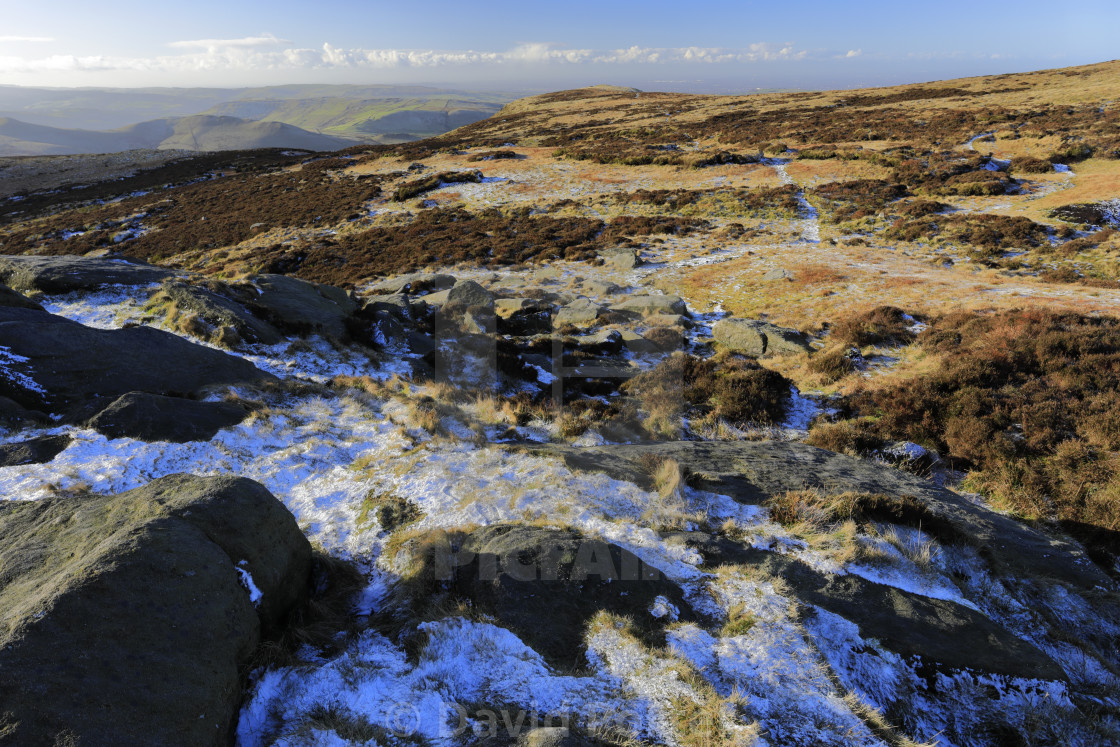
x: 268, y: 53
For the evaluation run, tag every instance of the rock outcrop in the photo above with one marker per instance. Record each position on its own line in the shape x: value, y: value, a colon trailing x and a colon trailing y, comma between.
x: 759, y: 339
x: 129, y: 619
x: 61, y: 274
x: 60, y: 366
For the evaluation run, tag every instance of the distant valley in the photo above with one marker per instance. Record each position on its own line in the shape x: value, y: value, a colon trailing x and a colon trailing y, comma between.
x: 42, y: 121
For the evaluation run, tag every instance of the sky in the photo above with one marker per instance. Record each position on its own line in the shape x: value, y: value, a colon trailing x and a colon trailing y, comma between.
x: 687, y: 45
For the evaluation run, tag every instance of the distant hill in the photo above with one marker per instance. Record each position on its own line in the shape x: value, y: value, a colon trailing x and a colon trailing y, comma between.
x: 366, y: 112
x: 198, y: 132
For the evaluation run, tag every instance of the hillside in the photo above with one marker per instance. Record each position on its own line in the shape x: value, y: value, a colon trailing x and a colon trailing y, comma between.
x: 788, y: 418
x: 195, y: 133
x: 367, y: 113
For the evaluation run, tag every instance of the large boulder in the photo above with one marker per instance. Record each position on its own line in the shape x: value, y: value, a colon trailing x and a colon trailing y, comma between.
x: 39, y: 450
x: 543, y: 584
x: 216, y: 310
x: 9, y: 297
x: 646, y: 305
x: 66, y: 273
x: 468, y: 293
x: 758, y: 339
x: 579, y: 313
x: 417, y: 282
x: 621, y: 258
x: 303, y: 307
x: 130, y: 619
x: 752, y: 472
x: 153, y: 417
x: 58, y: 365
x: 943, y: 633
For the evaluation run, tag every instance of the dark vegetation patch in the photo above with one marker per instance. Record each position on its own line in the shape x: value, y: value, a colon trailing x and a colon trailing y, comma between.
x: 762, y: 202
x: 418, y: 187
x: 204, y: 215
x: 793, y: 507
x: 1028, y: 400
x: 883, y: 325
x: 833, y: 364
x: 391, y: 511
x: 172, y: 173
x: 1089, y: 213
x: 921, y: 208
x: 495, y: 155
x: 852, y: 200
x: 1028, y: 165
x: 727, y: 386
x: 937, y: 174
x: 990, y: 233
x: 445, y: 237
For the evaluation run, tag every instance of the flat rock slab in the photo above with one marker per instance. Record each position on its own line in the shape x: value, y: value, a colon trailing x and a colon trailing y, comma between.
x: 220, y: 310
x: 9, y: 297
x: 70, y: 273
x: 126, y: 620
x: 751, y: 472
x: 33, y: 451
x: 547, y: 584
x: 302, y: 306
x: 651, y: 305
x: 939, y: 631
x: 416, y: 282
x: 759, y: 339
x: 64, y: 367
x: 153, y: 417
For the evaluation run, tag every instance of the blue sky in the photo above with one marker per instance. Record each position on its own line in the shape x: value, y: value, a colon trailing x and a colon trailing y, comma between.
x: 683, y: 45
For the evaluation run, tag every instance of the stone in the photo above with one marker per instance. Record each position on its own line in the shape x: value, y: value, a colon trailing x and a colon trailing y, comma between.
x: 9, y: 297
x: 759, y: 339
x: 153, y: 417
x: 217, y: 311
x: 416, y: 282
x: 77, y: 370
x: 777, y: 273
x: 303, y: 307
x: 33, y: 451
x: 579, y: 313
x: 543, y: 584
x: 661, y: 304
x: 130, y: 619
x: 65, y: 273
x: 467, y: 293
x: 621, y: 258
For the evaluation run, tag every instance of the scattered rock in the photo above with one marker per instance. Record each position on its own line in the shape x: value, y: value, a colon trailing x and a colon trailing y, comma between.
x: 599, y: 288
x: 61, y: 274
x: 9, y: 297
x: 751, y: 472
x: 759, y: 339
x: 130, y: 618
x: 543, y: 584
x: 417, y: 282
x: 467, y: 293
x: 303, y: 307
x: 579, y: 313
x: 621, y: 258
x: 33, y: 451
x: 218, y: 311
x: 943, y: 633
x: 645, y: 305
x: 70, y: 368
x: 553, y: 736
x: 153, y: 417
x: 777, y: 273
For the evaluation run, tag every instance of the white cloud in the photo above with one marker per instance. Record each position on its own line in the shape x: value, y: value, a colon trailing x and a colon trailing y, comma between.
x: 264, y: 40
x: 28, y: 39
x: 253, y: 53
x: 853, y: 53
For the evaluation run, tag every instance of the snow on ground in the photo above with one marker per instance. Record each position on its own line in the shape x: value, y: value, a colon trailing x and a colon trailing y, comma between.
x: 322, y: 454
